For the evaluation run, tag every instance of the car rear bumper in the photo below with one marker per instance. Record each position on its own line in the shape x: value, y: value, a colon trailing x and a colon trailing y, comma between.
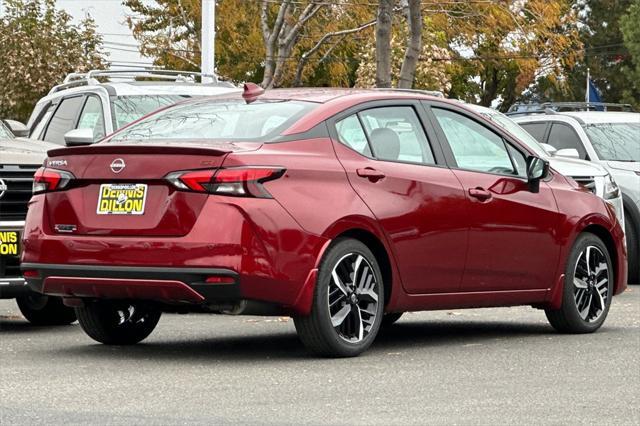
x: 171, y: 285
x: 253, y: 240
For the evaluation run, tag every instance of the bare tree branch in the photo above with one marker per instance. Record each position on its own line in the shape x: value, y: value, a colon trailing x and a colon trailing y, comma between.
x: 306, y: 55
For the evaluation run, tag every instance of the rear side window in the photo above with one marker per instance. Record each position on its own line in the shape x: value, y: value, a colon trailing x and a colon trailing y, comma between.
x: 258, y: 121
x: 64, y: 119
x: 537, y: 130
x: 351, y: 134
x: 562, y: 136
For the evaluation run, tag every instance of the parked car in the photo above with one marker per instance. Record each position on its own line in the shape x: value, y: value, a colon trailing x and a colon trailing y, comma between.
x: 19, y: 159
x: 341, y: 208
x: 611, y: 139
x: 590, y: 175
x: 87, y: 107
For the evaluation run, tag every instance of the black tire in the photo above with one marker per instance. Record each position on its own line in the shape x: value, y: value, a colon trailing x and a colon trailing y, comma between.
x: 118, y: 322
x: 390, y: 318
x: 633, y: 250
x: 39, y: 309
x: 568, y: 319
x: 316, y: 331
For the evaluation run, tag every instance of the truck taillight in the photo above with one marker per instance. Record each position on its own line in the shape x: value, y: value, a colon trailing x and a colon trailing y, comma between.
x: 47, y: 180
x: 234, y: 181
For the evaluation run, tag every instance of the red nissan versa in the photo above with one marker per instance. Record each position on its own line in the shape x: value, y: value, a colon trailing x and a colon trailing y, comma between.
x: 341, y: 208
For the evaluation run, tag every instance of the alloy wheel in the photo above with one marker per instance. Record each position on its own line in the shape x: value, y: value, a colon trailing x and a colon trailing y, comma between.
x: 591, y: 283
x: 353, y: 297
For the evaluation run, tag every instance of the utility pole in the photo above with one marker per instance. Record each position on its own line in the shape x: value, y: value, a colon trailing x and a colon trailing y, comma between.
x: 207, y: 57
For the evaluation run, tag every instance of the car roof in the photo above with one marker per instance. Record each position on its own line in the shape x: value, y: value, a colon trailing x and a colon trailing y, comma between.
x: 596, y: 117
x: 137, y: 88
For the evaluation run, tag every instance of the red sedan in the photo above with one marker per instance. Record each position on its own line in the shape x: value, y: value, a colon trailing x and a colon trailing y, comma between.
x: 341, y: 208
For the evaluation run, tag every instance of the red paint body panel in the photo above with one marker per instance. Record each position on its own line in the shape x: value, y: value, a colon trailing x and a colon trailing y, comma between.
x: 445, y: 249
x: 422, y: 212
x: 513, y: 242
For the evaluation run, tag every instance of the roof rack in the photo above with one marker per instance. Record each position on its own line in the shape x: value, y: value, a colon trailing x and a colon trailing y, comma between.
x: 554, y: 107
x: 90, y: 78
x: 435, y: 93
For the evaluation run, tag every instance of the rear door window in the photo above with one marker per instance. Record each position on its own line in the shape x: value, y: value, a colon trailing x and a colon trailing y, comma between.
x: 396, y: 134
x: 64, y: 119
x: 351, y: 134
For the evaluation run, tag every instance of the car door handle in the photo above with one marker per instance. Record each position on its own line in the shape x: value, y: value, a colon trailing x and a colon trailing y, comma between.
x: 480, y: 193
x: 370, y: 173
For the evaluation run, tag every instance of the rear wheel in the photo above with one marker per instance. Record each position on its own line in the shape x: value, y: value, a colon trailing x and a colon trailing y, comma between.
x: 588, y: 288
x: 348, y: 302
x: 39, y: 309
x: 633, y: 249
x: 118, y: 322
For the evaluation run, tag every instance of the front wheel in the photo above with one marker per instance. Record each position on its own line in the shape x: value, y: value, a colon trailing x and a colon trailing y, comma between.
x: 348, y: 302
x: 118, y: 322
x: 588, y: 288
x: 39, y: 309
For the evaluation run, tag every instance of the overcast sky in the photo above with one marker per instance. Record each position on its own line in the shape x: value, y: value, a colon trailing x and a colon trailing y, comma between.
x: 110, y: 16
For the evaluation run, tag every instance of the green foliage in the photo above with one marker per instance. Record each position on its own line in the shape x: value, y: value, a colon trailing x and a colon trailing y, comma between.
x: 630, y: 27
x: 606, y: 54
x: 38, y: 47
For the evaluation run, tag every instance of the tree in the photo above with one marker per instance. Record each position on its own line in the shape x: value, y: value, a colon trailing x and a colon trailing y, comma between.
x: 39, y: 47
x: 272, y: 41
x: 631, y: 36
x: 503, y: 47
x: 413, y: 13
x: 383, y: 43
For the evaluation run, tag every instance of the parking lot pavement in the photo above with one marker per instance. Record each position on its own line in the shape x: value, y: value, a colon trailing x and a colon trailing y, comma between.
x: 492, y: 366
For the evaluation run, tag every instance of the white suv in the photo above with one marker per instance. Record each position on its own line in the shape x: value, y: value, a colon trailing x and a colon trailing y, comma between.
x: 610, y: 139
x: 87, y: 107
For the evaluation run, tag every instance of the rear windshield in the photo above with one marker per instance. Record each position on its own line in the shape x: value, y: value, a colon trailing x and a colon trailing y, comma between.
x: 127, y: 109
x: 218, y: 120
x: 616, y: 141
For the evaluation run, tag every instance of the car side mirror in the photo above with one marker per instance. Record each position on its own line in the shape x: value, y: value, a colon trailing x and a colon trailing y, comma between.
x: 79, y: 137
x: 568, y: 153
x: 550, y: 149
x: 18, y: 129
x: 537, y: 169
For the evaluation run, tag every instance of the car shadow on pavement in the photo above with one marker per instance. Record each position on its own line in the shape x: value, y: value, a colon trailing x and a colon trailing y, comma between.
x: 17, y: 324
x: 285, y: 346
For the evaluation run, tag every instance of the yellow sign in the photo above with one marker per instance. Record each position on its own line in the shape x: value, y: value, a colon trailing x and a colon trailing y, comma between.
x: 9, y: 241
x: 122, y: 198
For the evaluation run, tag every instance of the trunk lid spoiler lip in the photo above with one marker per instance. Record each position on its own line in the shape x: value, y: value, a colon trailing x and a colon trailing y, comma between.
x: 216, y: 149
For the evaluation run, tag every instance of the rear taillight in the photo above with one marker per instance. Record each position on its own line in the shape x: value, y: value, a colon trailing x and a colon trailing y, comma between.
x: 47, y: 180
x: 235, y: 181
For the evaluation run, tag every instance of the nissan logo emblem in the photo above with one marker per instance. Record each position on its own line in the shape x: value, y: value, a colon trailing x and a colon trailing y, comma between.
x: 117, y: 165
x: 3, y: 188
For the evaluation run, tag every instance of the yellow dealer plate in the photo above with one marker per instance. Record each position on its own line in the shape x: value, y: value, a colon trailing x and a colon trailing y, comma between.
x: 122, y: 198
x: 9, y: 243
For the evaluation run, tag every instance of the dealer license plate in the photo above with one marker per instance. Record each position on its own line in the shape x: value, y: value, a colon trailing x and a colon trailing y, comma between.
x: 122, y: 198
x: 9, y: 243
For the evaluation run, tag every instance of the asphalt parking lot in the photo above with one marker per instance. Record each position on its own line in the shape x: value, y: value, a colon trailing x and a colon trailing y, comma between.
x: 491, y: 366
